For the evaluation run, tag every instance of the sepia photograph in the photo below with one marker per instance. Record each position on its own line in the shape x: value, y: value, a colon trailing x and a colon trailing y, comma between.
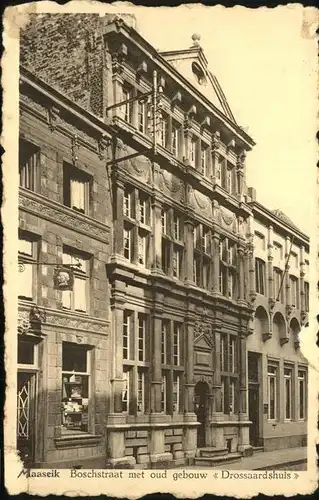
x: 163, y: 242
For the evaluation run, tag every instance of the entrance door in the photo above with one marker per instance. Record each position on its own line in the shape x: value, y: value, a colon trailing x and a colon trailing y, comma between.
x: 253, y: 396
x: 201, y: 392
x: 26, y: 416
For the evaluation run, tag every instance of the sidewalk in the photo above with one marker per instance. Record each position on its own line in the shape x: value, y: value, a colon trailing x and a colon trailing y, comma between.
x: 271, y: 459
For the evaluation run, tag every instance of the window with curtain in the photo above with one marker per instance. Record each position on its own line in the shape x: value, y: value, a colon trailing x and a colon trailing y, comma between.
x: 76, y: 189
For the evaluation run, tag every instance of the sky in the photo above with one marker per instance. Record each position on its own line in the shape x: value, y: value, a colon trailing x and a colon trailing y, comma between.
x: 266, y: 65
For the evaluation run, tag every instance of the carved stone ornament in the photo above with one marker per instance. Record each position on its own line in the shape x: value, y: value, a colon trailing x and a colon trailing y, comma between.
x: 102, y: 145
x: 63, y: 278
x: 24, y: 325
x: 216, y: 141
x: 228, y: 217
x: 141, y: 167
x: 74, y: 149
x: 53, y: 114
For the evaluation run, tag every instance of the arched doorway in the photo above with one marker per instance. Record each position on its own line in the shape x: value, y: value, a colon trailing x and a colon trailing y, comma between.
x: 201, y: 408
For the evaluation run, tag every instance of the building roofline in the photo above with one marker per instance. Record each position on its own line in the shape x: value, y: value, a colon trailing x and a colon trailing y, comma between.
x: 120, y: 25
x: 269, y: 215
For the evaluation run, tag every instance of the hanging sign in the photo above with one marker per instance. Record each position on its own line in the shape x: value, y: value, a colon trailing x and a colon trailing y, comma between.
x: 63, y: 278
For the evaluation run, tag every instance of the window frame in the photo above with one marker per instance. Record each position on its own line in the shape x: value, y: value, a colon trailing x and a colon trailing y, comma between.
x: 288, y: 397
x: 78, y: 274
x: 274, y: 377
x: 33, y: 156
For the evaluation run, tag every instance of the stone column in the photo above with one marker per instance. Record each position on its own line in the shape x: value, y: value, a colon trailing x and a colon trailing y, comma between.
x: 187, y: 138
x: 215, y: 272
x: 243, y: 443
x: 117, y: 82
x: 215, y: 155
x: 169, y: 133
x: 189, y: 253
x: 271, y: 297
x: 217, y: 384
x: 117, y: 352
x: 302, y: 280
x: 241, y: 159
x: 118, y: 241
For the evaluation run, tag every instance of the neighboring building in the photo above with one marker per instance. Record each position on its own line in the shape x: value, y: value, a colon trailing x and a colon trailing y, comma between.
x: 277, y: 370
x: 145, y: 361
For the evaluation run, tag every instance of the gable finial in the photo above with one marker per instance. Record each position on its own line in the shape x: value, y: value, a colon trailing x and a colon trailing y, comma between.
x: 196, y: 39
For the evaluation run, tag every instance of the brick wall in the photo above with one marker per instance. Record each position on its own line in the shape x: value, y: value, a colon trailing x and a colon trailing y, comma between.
x: 67, y: 51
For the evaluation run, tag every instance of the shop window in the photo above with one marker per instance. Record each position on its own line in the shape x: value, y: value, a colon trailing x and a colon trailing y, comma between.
x: 78, y: 298
x: 176, y: 393
x: 29, y: 156
x: 75, y: 388
x: 76, y: 189
x: 126, y: 390
x: 140, y: 391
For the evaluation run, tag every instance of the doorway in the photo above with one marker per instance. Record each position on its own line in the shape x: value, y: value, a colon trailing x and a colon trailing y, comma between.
x: 201, y: 402
x: 253, y: 397
x: 26, y: 389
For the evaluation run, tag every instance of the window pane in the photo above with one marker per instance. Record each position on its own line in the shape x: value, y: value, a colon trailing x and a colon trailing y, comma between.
x: 74, y: 358
x: 79, y: 290
x: 25, y: 287
x: 25, y: 352
x: 77, y: 194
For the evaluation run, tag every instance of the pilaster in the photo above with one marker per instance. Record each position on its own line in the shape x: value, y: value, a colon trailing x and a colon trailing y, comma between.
x: 189, y: 253
x: 215, y: 266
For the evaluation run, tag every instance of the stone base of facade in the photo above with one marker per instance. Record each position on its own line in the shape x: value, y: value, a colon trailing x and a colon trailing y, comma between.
x: 98, y: 462
x: 280, y: 442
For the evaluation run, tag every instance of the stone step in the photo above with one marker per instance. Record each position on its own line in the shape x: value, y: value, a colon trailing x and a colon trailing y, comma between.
x: 219, y: 460
x: 209, y: 451
x: 258, y: 449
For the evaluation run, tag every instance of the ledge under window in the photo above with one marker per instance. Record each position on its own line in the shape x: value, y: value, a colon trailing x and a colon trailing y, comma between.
x: 77, y: 440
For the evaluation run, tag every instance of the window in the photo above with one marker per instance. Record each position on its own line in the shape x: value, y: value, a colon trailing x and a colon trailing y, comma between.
x: 229, y: 178
x: 197, y: 270
x: 232, y: 391
x: 219, y: 167
x: 164, y: 221
x: 164, y: 393
x: 142, y: 250
x: 222, y: 352
x: 176, y: 393
x: 127, y: 334
x: 260, y: 242
x: 141, y: 112
x: 260, y: 276
x: 162, y: 131
x: 27, y: 352
x: 277, y: 253
x: 128, y: 243
x: 301, y: 394
x: 272, y: 391
x: 28, y: 164
x: 223, y: 273
x: 306, y: 285
x: 177, y: 227
x: 175, y: 140
x: 128, y: 106
x: 232, y: 355
x: 202, y: 256
x: 203, y: 161
x: 176, y: 345
x: 294, y: 291
x: 287, y: 392
x: 75, y: 388
x: 278, y: 288
x: 27, y: 256
x: 294, y: 259
x: 127, y: 208
x: 76, y: 299
x: 177, y: 262
x: 144, y: 211
x: 192, y: 151
x: 141, y: 336
x: 164, y: 342
x: 140, y: 391
x: 165, y: 256
x: 222, y: 394
x: 126, y: 391
x: 76, y: 187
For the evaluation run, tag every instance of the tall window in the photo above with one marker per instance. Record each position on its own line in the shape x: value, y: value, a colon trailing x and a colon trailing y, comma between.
x: 135, y: 362
x: 202, y: 256
x: 204, y: 160
x: 164, y: 393
x: 144, y: 208
x: 277, y: 253
x: 162, y: 131
x: 141, y: 117
x: 128, y: 203
x: 172, y: 243
x: 260, y: 274
x: 301, y: 394
x: 141, y: 336
x: 278, y: 287
x: 175, y: 140
x: 27, y: 254
x: 176, y: 393
x: 76, y: 189
x: 128, y: 244
x: 192, y: 151
x: 272, y: 391
x: 176, y: 344
x: 136, y: 228
x: 306, y: 285
x: 164, y: 342
x: 28, y: 164
x: 127, y: 334
x: 229, y: 371
x: 288, y: 393
x: 76, y: 371
x: 294, y: 291
x: 228, y: 268
x: 78, y: 298
x: 128, y: 106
